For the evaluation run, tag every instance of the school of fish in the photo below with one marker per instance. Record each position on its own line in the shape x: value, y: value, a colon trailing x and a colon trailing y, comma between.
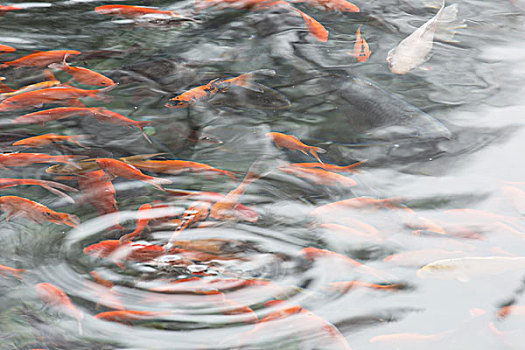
x: 93, y: 183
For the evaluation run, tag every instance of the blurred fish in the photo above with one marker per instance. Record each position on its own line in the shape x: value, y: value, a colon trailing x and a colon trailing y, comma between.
x: 230, y: 307
x: 473, y: 266
x: 106, y: 116
x: 335, y: 5
x: 361, y: 49
x: 117, y: 252
x: 15, y: 207
x: 517, y: 310
x: 6, y: 49
x: 118, y: 168
x: 47, y: 115
x: 51, y: 81
x: 130, y: 11
x: 202, y: 92
x: 78, y: 168
x: 173, y: 166
x: 56, y: 297
x: 83, y: 75
x: 196, y: 212
x: 51, y: 186
x: 4, y: 8
x: 97, y: 190
x: 126, y: 316
x: 414, y: 50
x: 48, y: 139
x: 40, y: 59
x: 380, y: 115
x: 330, y: 167
x: 143, y: 218
x: 316, y: 29
x: 293, y: 143
x: 54, y: 95
x: 362, y: 203
x: 4, y: 270
x: 25, y: 159
x: 318, y: 176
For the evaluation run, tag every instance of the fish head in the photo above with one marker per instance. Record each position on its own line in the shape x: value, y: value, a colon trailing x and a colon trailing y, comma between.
x: 177, y: 102
x: 399, y: 63
x: 310, y: 253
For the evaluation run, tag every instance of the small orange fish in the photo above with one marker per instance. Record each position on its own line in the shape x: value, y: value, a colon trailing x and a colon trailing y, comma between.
x: 56, y: 297
x: 126, y: 316
x: 198, y: 93
x: 47, y: 115
x: 318, y: 176
x: 198, y: 211
x: 361, y: 49
x: 83, y: 75
x: 50, y: 82
x: 129, y: 172
x: 15, y: 206
x: 143, y: 218
x: 6, y: 49
x: 25, y: 159
x: 51, y: 186
x: 294, y: 144
x: 97, y: 190
x: 173, y: 166
x: 48, y: 139
x: 106, y: 116
x: 330, y: 167
x: 54, y: 95
x: 4, y: 270
x: 130, y: 11
x: 117, y: 252
x: 316, y: 29
x: 40, y: 59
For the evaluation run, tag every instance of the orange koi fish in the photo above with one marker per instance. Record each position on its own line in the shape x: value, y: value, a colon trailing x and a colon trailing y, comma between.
x: 130, y: 11
x: 330, y: 167
x: 55, y: 95
x: 97, y: 190
x: 83, y: 75
x: 129, y: 172
x: 6, y: 49
x: 126, y: 316
x: 106, y: 116
x: 40, y: 59
x: 50, y: 82
x: 56, y: 297
x: 47, y: 115
x: 173, y: 166
x: 15, y: 206
x: 335, y: 5
x: 48, y: 139
x: 316, y: 29
x: 4, y: 270
x: 143, y: 219
x: 294, y: 144
x: 228, y: 208
x: 198, y: 93
x: 116, y: 251
x: 318, y: 176
x: 25, y: 159
x: 198, y: 211
x: 361, y: 49
x: 51, y: 186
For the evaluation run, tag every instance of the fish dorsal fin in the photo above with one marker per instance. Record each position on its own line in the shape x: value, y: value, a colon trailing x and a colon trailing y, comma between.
x: 139, y: 157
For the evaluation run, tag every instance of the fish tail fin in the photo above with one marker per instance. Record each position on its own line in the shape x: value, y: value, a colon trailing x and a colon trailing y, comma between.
x: 447, y: 24
x: 100, y: 93
x: 245, y: 81
x: 229, y: 174
x: 58, y: 193
x: 140, y: 125
x: 353, y: 165
x: 17, y: 272
x: 70, y: 220
x: 314, y: 150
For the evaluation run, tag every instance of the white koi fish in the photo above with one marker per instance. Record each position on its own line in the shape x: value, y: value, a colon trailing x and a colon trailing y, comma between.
x: 415, y: 49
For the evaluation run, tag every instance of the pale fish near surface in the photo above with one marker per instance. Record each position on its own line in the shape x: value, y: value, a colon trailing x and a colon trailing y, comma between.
x: 464, y: 268
x: 415, y: 49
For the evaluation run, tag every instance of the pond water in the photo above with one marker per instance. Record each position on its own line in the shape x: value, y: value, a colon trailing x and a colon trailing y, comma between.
x: 420, y: 245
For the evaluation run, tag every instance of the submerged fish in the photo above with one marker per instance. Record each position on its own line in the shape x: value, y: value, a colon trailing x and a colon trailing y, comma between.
x: 361, y: 49
x: 48, y: 139
x: 15, y: 206
x: 40, y: 59
x: 415, y: 49
x: 83, y: 75
x: 56, y: 297
x: 293, y: 143
x: 464, y: 268
x: 51, y: 186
